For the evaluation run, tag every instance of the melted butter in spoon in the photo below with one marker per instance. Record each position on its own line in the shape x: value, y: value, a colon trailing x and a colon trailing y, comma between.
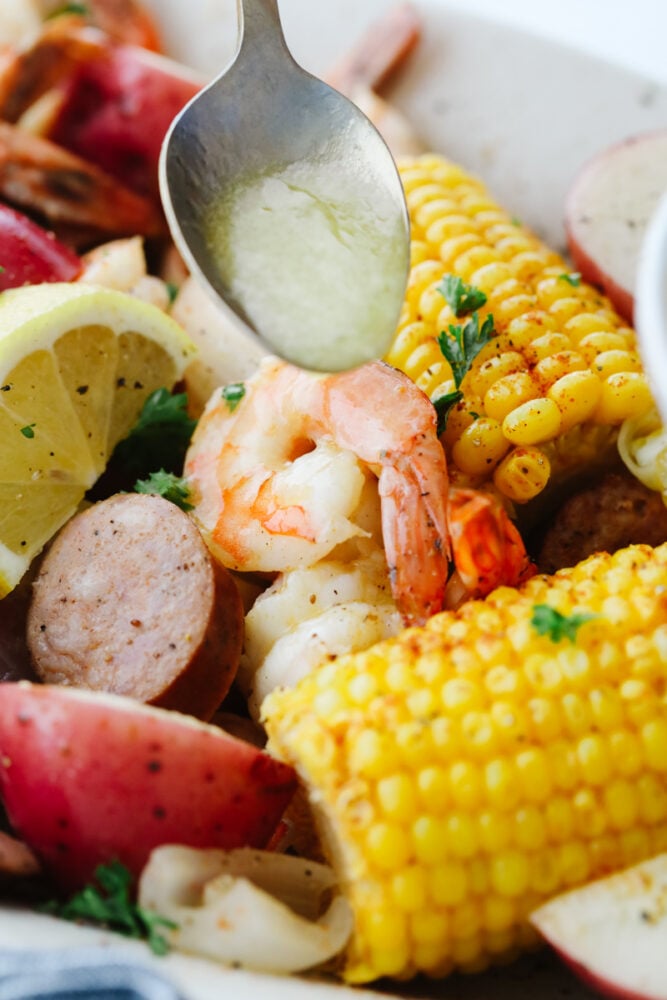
x: 316, y: 264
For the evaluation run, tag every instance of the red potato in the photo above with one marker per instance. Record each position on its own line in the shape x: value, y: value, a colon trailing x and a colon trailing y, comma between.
x: 612, y: 931
x: 88, y: 777
x: 116, y: 110
x: 30, y: 255
x: 607, y: 210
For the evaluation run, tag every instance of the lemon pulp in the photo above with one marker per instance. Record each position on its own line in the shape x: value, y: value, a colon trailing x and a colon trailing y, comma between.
x: 76, y: 366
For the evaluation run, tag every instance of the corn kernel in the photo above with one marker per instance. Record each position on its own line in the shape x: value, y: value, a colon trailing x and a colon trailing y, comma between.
x: 429, y: 837
x: 621, y: 804
x: 654, y: 741
x: 559, y: 819
x: 534, y: 774
x: 593, y: 344
x: 594, y: 760
x: 577, y: 396
x: 480, y: 447
x: 409, y: 888
x: 433, y: 789
x: 510, y: 873
x: 546, y: 345
x: 533, y: 422
x: 508, y: 392
x: 429, y: 927
x: 590, y: 818
x: 396, y: 796
x: 574, y: 862
x: 448, y: 883
x: 454, y: 246
x: 465, y: 783
x: 529, y: 828
x: 616, y: 361
x: 626, y: 753
x: 623, y: 396
x: 388, y: 846
x: 471, y: 260
x: 652, y: 799
x: 462, y: 835
x: 522, y: 474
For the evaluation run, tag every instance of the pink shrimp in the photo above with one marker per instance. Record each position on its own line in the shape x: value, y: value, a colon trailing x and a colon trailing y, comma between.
x: 277, y: 480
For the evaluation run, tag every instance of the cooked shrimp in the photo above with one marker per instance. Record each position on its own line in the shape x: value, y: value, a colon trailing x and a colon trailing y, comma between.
x: 487, y: 547
x: 277, y: 479
x: 80, y: 202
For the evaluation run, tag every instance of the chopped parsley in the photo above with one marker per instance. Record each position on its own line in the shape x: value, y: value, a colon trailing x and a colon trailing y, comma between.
x: 547, y: 621
x: 28, y: 431
x: 460, y: 296
x: 167, y: 485
x: 574, y: 278
x: 172, y: 291
x: 233, y: 394
x: 71, y: 8
x: 443, y: 405
x: 461, y: 345
x: 107, y: 901
x: 160, y: 437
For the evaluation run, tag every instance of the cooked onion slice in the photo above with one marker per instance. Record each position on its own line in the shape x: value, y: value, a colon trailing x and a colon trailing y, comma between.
x: 642, y: 444
x: 251, y: 908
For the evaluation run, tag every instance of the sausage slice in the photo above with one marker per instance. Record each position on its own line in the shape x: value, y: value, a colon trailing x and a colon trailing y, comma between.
x: 128, y: 600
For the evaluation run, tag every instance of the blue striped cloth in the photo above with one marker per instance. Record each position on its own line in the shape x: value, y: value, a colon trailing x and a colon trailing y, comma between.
x: 79, y: 974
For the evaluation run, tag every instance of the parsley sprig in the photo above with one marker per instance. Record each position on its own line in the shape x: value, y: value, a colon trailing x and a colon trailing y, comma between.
x: 160, y: 437
x: 461, y: 297
x: 233, y: 394
x: 460, y: 345
x: 107, y: 900
x: 548, y: 621
x: 167, y: 485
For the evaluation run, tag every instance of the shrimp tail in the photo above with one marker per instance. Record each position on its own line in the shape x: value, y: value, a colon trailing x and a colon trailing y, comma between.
x: 487, y: 549
x: 415, y: 530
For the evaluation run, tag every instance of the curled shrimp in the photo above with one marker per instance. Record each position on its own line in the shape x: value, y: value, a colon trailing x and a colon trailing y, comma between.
x: 277, y: 479
x: 487, y: 547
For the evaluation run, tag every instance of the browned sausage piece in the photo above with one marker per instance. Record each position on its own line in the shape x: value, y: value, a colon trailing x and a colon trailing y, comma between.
x: 129, y: 601
x: 615, y: 512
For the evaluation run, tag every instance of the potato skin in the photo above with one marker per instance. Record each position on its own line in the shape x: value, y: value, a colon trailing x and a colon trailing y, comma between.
x: 129, y: 601
x: 88, y: 777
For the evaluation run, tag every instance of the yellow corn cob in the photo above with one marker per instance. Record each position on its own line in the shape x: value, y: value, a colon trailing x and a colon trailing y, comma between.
x: 548, y: 392
x: 466, y: 771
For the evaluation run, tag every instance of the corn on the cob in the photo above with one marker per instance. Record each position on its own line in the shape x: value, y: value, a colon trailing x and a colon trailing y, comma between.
x: 465, y: 771
x: 549, y: 390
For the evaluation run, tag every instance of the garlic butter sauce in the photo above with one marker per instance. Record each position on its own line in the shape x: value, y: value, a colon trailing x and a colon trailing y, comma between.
x: 317, y: 261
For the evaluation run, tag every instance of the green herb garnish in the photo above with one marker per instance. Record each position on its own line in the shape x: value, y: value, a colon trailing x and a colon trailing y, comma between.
x: 172, y: 291
x: 443, y: 405
x: 460, y: 296
x: 70, y: 8
x: 28, y: 431
x: 166, y: 485
x: 574, y: 278
x: 233, y: 394
x: 108, y: 901
x: 547, y: 621
x: 463, y: 343
x: 160, y: 437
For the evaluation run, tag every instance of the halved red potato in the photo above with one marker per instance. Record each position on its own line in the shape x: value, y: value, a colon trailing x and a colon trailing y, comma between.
x: 88, y: 777
x: 607, y: 210
x: 611, y: 932
x: 30, y: 255
x: 116, y: 110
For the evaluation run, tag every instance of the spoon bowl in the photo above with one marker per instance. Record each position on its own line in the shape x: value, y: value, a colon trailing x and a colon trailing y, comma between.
x: 283, y: 197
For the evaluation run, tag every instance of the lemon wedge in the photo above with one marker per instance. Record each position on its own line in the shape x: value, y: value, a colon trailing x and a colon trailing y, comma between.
x: 77, y: 363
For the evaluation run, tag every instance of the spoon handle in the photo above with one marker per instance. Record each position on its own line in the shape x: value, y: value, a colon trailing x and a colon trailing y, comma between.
x: 260, y: 30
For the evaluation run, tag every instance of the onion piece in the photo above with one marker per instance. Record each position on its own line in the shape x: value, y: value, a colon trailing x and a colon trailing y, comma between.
x: 255, y: 909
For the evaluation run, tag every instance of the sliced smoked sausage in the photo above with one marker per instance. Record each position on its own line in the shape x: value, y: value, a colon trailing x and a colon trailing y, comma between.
x: 129, y: 601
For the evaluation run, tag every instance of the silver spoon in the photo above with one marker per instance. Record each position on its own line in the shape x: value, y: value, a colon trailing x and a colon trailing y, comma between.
x: 283, y: 198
